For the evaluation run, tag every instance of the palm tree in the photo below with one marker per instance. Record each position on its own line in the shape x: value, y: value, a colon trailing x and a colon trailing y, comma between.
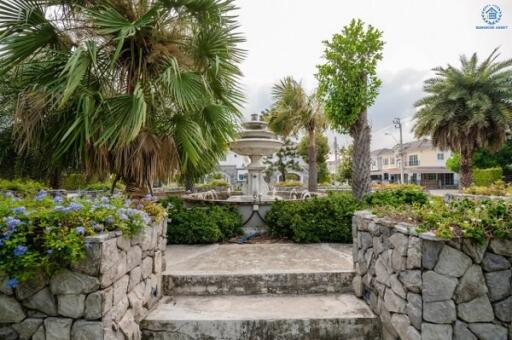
x: 134, y: 88
x: 293, y: 111
x: 467, y: 108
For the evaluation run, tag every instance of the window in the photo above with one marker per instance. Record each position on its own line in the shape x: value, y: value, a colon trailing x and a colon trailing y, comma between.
x: 385, y: 161
x: 386, y: 176
x: 440, y: 156
x: 413, y: 160
x: 392, y: 160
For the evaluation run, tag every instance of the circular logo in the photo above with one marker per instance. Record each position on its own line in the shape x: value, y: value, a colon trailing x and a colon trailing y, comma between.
x: 491, y: 14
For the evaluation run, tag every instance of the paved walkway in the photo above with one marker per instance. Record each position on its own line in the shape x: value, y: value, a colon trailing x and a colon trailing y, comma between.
x: 259, y: 258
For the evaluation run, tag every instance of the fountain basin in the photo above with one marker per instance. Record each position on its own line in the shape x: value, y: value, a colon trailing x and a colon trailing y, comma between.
x: 256, y: 146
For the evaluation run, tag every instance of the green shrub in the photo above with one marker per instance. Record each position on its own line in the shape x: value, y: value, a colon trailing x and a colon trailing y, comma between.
x: 21, y: 185
x: 485, y: 177
x: 498, y: 188
x: 79, y: 181
x: 397, y: 195
x: 204, y: 224
x: 288, y: 184
x: 217, y: 183
x: 325, y: 219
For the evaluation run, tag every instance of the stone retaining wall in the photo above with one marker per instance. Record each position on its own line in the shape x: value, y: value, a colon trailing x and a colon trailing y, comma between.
x: 426, y: 288
x: 103, y: 297
x: 460, y: 196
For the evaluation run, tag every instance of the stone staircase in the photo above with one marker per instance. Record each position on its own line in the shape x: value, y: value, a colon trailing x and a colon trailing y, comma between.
x: 262, y: 291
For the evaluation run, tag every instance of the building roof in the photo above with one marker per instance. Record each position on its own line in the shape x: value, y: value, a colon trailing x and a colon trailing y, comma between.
x: 379, y: 152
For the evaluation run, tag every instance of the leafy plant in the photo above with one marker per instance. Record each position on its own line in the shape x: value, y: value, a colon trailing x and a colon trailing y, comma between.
x: 348, y: 85
x: 216, y: 183
x: 326, y: 219
x: 42, y: 233
x: 397, y: 195
x: 484, y: 177
x: 498, y: 188
x: 21, y: 185
x: 289, y: 184
x: 322, y: 151
x: 284, y: 161
x: 204, y: 224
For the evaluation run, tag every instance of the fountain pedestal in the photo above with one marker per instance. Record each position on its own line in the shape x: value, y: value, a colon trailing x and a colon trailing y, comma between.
x: 255, y: 178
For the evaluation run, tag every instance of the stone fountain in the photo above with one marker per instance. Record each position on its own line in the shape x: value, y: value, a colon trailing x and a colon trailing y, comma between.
x: 256, y: 142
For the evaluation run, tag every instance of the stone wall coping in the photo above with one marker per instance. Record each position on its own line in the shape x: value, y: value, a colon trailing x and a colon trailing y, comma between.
x: 450, y: 196
x: 401, y: 227
x: 105, y: 236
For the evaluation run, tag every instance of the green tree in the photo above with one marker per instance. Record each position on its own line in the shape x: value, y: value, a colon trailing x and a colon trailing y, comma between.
x: 136, y: 88
x: 348, y: 85
x: 322, y: 150
x: 467, y: 108
x: 453, y: 163
x: 344, y: 171
x: 285, y: 160
x: 293, y: 111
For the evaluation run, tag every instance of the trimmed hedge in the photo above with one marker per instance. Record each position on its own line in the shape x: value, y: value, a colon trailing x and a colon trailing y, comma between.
x: 205, y: 224
x: 326, y: 219
x: 396, y: 195
x: 485, y: 177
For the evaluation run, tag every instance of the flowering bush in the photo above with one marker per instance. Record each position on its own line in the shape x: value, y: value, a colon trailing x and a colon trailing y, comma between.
x: 498, y: 188
x: 476, y: 219
x: 43, y: 233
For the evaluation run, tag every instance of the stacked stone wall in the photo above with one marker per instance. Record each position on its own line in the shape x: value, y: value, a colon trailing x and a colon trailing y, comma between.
x: 422, y: 287
x: 103, y: 297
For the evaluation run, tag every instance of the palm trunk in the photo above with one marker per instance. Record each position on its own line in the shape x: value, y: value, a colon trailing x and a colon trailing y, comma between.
x: 134, y: 189
x: 313, y: 171
x: 361, y: 134
x: 189, y: 183
x: 55, y: 179
x: 466, y: 177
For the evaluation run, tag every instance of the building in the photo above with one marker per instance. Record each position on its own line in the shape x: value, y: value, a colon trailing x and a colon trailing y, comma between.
x: 233, y: 168
x: 423, y: 164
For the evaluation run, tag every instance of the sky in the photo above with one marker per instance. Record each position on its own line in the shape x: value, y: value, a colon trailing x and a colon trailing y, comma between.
x: 284, y: 37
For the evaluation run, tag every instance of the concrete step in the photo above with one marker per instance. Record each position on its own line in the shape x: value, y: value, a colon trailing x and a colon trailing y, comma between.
x: 261, y: 317
x: 258, y: 283
x: 234, y: 269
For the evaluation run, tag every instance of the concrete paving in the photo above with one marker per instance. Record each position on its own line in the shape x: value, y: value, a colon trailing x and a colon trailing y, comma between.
x: 262, y: 317
x: 235, y: 259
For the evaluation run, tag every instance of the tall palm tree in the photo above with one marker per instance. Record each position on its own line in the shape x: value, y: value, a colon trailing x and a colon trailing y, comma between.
x: 293, y: 111
x: 467, y: 108
x: 124, y: 86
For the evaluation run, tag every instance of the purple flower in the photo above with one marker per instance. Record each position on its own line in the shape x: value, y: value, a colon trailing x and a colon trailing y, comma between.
x: 2, y: 240
x: 49, y: 251
x: 80, y: 230
x: 105, y: 200
x: 60, y: 208
x: 19, y: 210
x: 109, y: 220
x: 148, y: 197
x: 58, y: 199
x: 19, y: 250
x: 11, y: 283
x: 75, y: 206
x: 40, y: 195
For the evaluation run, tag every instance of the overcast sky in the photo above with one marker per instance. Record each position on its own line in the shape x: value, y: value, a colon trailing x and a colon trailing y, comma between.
x: 284, y: 37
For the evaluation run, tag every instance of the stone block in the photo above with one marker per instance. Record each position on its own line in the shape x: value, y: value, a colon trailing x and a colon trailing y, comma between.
x: 415, y: 310
x: 28, y: 288
x: 113, y: 265
x: 129, y: 327
x: 501, y: 247
x: 414, y: 253
x: 118, y: 310
x: 411, y: 280
x: 452, y: 262
x: 477, y: 310
x: 398, y: 262
x: 69, y: 282
x: 135, y: 278
x: 382, y: 270
x: 461, y: 332
x: 439, y: 312
x: 120, y: 289
x: 124, y: 243
x: 10, y: 310
x: 430, y: 253
x: 437, y: 287
x: 58, y: 328
x: 413, y: 334
x: 90, y: 264
x: 94, y: 305
x: 133, y: 257
x: 493, y: 262
x: 8, y: 333
x: 474, y: 249
x: 71, y: 305
x: 503, y: 310
x: 471, y: 285
x: 378, y: 245
x: 393, y: 302
x: 400, y: 243
x: 499, y: 284
x: 397, y: 286
x: 147, y: 267
x: 43, y: 301
x: 489, y: 331
x: 357, y: 285
x: 157, y: 262
x: 27, y: 327
x: 436, y: 332
x: 87, y: 330
x: 400, y: 323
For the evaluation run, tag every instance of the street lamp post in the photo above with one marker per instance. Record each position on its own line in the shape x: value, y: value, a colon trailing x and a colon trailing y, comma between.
x: 398, y: 125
